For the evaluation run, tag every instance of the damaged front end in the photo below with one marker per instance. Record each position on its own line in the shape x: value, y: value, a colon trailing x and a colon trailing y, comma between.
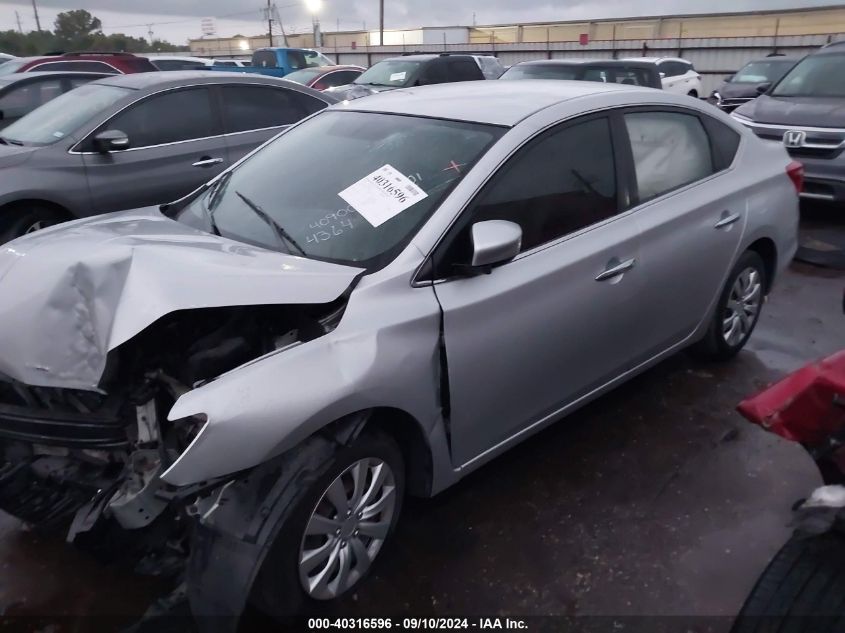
x: 88, y: 464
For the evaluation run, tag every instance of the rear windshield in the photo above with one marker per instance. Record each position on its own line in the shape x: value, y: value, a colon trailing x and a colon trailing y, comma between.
x: 63, y: 115
x: 814, y: 76
x: 7, y: 68
x: 604, y: 74
x: 394, y: 73
x: 304, y: 76
x: 762, y: 72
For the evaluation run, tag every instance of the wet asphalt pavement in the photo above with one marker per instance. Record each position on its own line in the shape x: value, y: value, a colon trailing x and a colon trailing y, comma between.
x: 657, y: 499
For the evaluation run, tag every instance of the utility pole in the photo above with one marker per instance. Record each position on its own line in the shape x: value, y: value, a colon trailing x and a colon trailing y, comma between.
x: 150, y: 33
x: 269, y: 22
x: 381, y: 23
x: 37, y: 19
x: 18, y: 18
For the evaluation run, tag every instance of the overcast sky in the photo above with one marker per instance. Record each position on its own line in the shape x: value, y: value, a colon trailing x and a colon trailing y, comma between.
x: 178, y: 20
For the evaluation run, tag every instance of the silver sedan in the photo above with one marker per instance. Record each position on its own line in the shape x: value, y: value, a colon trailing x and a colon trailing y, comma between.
x: 376, y: 303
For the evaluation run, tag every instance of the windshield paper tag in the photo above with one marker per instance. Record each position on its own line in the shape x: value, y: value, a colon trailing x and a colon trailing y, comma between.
x: 382, y: 195
x: 398, y: 76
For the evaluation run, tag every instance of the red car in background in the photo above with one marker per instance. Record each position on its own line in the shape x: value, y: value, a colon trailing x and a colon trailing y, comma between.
x: 112, y: 63
x: 324, y: 77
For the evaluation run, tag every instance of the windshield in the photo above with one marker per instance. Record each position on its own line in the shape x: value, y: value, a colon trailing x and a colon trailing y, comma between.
x: 814, y: 76
x: 63, y: 115
x: 305, y: 76
x: 9, y: 67
x: 762, y: 72
x: 346, y: 187
x: 394, y: 73
x: 541, y: 71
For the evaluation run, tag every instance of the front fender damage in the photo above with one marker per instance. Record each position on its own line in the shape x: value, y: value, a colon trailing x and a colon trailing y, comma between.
x: 267, y: 407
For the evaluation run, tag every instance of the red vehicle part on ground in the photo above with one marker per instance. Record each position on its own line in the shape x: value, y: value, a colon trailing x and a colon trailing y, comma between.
x: 807, y: 406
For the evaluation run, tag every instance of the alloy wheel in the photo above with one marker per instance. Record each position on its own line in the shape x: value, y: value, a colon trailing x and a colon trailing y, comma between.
x: 347, y: 528
x: 35, y: 226
x: 743, y: 306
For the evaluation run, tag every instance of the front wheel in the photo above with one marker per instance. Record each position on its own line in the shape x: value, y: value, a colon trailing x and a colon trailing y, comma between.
x: 22, y: 220
x: 737, y: 311
x: 333, y: 533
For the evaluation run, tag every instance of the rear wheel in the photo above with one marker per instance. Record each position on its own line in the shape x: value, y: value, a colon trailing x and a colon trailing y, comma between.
x: 23, y: 220
x: 737, y: 311
x: 801, y: 590
x: 333, y: 532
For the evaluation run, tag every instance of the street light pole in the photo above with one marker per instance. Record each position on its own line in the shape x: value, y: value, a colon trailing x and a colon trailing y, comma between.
x: 270, y: 22
x: 381, y: 23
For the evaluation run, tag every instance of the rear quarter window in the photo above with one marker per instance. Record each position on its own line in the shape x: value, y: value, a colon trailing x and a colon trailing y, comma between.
x: 724, y: 142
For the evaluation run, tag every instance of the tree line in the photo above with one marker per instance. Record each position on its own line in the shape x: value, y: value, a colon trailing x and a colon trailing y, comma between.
x: 78, y: 30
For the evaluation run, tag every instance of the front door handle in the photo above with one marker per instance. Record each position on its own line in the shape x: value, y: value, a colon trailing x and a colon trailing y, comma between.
x: 726, y: 220
x: 207, y: 161
x: 615, y: 269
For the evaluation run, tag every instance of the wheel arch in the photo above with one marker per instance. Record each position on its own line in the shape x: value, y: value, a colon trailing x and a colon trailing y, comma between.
x: 767, y: 250
x: 24, y: 203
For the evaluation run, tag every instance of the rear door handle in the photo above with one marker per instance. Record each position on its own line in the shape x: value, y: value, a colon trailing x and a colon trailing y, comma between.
x: 614, y: 270
x: 207, y: 161
x: 726, y: 220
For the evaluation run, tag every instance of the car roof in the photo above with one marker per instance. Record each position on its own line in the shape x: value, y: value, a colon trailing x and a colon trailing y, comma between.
x: 491, y: 102
x: 16, y: 77
x: 426, y: 57
x: 155, y: 57
x: 142, y: 81
x: 331, y: 69
x: 590, y: 62
x: 657, y: 60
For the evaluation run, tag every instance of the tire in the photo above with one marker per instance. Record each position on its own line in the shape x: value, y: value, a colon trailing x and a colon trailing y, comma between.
x: 279, y: 590
x: 716, y: 345
x: 801, y: 591
x: 25, y: 219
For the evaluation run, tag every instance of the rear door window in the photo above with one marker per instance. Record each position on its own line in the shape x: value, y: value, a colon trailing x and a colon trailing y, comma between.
x: 670, y: 150
x: 179, y: 115
x: 257, y: 107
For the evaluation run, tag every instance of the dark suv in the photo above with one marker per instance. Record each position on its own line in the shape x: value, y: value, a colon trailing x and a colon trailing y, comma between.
x: 411, y: 70
x: 111, y: 63
x: 805, y: 111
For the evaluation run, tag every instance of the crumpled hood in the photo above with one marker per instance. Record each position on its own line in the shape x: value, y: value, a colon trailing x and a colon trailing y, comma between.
x: 797, y: 111
x: 72, y: 293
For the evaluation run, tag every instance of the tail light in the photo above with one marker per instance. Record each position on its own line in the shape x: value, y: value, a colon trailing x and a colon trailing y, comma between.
x: 795, y: 171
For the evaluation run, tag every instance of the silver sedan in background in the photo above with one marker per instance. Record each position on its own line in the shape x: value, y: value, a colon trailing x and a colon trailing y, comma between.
x: 378, y: 302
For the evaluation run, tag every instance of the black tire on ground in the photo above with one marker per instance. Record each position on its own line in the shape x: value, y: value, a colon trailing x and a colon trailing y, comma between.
x: 278, y: 591
x: 714, y: 346
x: 801, y: 591
x: 20, y: 220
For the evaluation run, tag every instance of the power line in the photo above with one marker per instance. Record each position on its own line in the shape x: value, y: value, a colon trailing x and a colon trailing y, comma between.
x: 259, y: 11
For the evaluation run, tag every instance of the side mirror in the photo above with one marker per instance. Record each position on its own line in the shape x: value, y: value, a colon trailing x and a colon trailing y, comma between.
x: 111, y: 141
x: 763, y: 88
x: 729, y: 78
x: 494, y: 242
